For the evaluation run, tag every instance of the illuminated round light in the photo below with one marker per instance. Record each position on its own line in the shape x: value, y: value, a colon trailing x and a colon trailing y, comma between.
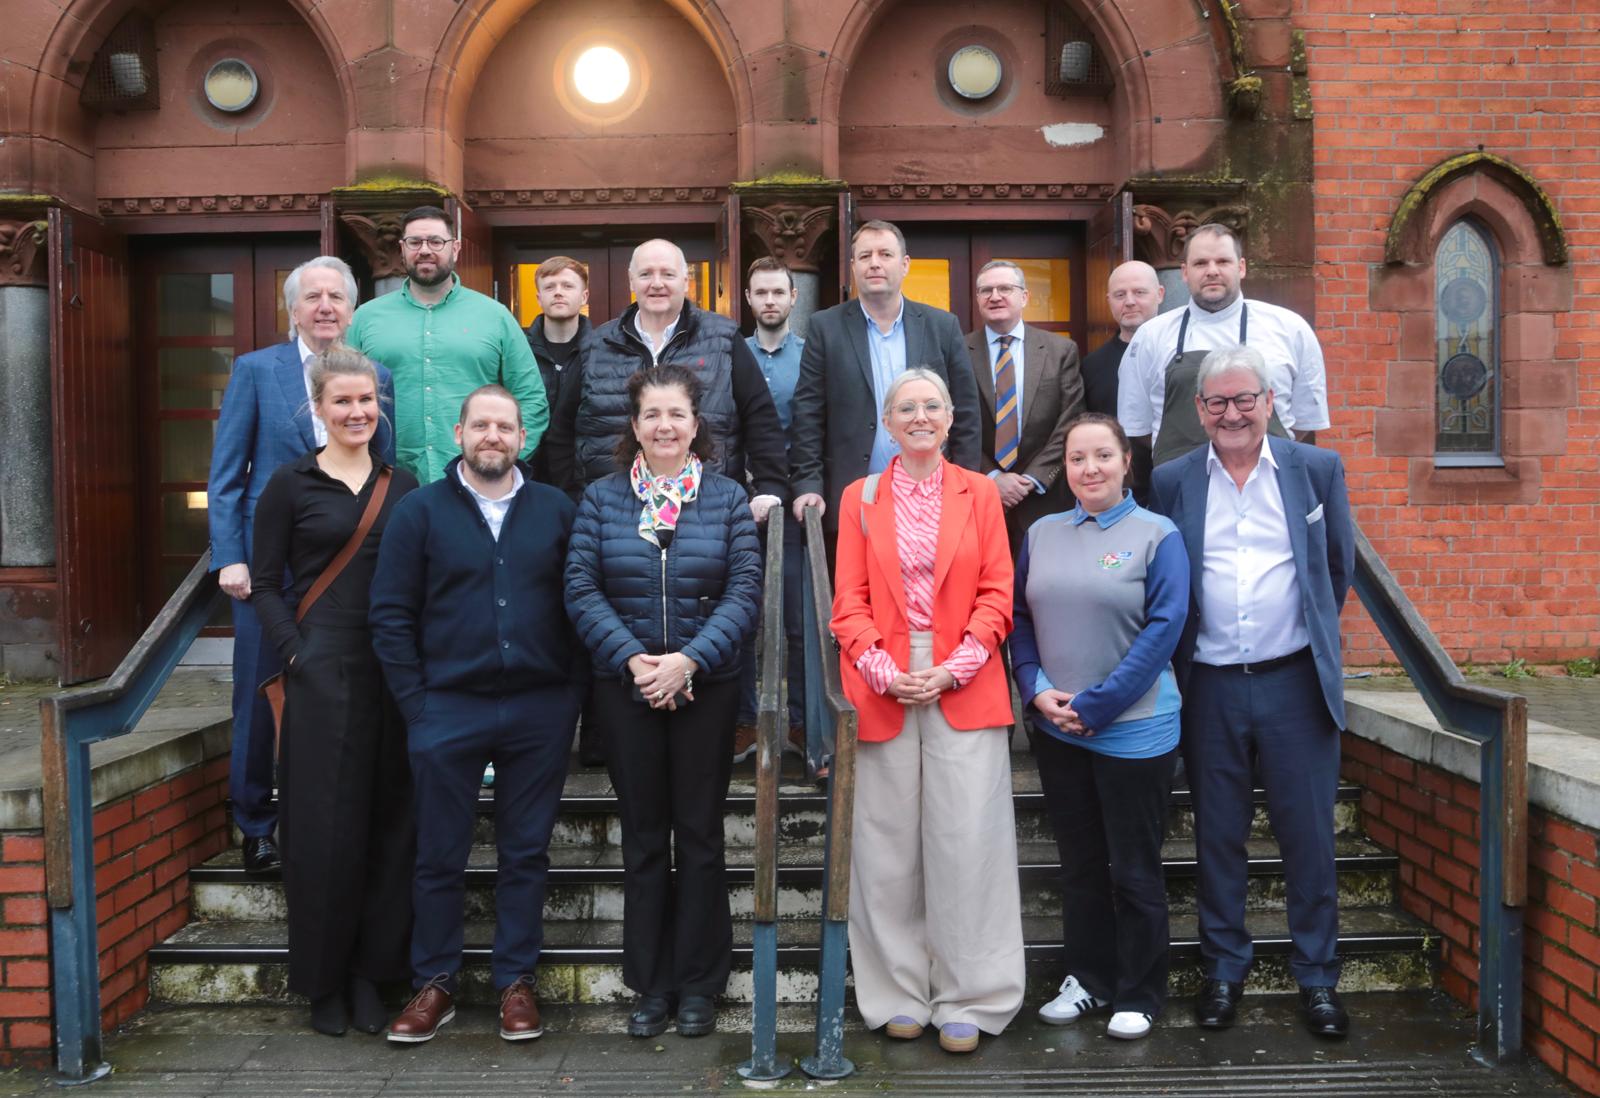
x: 601, y: 74
x: 975, y: 72
x: 231, y: 85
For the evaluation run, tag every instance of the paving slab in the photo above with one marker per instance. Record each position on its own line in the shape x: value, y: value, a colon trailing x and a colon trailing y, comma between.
x: 1401, y: 1044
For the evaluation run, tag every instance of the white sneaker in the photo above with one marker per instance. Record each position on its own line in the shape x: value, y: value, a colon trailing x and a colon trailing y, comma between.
x: 1073, y: 1003
x: 1128, y: 1025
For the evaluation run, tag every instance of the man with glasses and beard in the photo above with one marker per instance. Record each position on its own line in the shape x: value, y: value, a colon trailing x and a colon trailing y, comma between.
x: 442, y: 341
x: 469, y: 622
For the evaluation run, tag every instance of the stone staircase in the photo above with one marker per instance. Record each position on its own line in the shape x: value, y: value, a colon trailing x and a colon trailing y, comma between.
x: 234, y: 951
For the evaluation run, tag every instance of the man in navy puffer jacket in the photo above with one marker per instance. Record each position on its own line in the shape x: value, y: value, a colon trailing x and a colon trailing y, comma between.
x: 468, y: 620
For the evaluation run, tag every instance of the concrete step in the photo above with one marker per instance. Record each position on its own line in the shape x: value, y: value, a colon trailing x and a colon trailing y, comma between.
x: 586, y: 881
x: 1404, y: 1045
x: 245, y: 962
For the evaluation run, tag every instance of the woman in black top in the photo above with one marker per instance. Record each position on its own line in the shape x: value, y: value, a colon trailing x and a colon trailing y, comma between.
x: 344, y: 785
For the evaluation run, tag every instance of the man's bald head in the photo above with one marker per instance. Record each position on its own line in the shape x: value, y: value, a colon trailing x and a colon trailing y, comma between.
x: 658, y: 274
x: 1134, y: 293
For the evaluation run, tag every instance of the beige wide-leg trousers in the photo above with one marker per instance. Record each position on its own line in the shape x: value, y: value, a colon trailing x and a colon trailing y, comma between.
x: 935, y: 908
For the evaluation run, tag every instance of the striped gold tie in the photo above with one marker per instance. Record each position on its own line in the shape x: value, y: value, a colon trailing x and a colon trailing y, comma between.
x: 1007, y: 427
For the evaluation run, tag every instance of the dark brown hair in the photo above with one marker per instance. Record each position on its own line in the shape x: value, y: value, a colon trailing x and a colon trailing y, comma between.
x: 1090, y: 419
x: 767, y: 263
x: 877, y: 226
x: 490, y: 389
x: 423, y: 213
x: 1214, y: 228
x: 663, y: 377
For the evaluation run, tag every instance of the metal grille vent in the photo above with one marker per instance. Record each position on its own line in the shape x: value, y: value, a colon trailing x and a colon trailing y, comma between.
x: 1073, y: 62
x: 123, y: 75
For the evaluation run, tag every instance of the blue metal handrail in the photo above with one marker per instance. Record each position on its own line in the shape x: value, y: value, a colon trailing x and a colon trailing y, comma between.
x: 772, y: 709
x: 71, y: 721
x: 1497, y: 721
x: 825, y: 692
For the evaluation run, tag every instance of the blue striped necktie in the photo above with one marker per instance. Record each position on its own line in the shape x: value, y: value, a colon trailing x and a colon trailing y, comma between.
x: 1007, y: 426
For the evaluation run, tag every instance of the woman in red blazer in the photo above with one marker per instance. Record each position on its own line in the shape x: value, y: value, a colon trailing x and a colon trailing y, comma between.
x: 923, y: 603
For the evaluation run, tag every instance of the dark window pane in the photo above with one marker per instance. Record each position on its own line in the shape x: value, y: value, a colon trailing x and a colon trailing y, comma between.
x: 193, y: 377
x: 183, y: 523
x: 1466, y: 323
x: 195, y: 305
x: 186, y: 449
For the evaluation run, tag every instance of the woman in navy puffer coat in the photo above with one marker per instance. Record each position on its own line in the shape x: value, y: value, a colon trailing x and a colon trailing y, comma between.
x: 663, y: 582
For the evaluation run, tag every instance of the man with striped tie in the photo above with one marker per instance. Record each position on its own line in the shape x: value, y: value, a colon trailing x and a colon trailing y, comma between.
x: 1030, y: 386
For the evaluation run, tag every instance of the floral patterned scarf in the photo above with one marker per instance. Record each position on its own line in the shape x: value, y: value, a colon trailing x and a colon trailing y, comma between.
x: 663, y: 497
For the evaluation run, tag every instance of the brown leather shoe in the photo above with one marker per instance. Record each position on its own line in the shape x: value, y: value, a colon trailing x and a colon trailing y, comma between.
x: 744, y: 742
x: 519, y: 1012
x: 797, y: 740
x: 430, y: 1008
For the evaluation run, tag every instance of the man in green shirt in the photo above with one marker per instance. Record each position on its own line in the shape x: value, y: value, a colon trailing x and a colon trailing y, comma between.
x: 441, y: 341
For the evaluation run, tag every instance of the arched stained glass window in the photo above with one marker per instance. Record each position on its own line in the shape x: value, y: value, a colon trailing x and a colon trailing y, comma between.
x: 1467, y: 331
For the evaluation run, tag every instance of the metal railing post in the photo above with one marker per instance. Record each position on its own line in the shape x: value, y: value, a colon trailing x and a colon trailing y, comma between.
x: 71, y: 720
x: 772, y: 710
x: 828, y: 1060
x: 1497, y: 721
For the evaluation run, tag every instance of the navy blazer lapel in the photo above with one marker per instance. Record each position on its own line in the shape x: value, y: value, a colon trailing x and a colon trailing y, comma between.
x: 292, y: 381
x: 855, y: 332
x: 1293, y: 486
x: 1191, y: 522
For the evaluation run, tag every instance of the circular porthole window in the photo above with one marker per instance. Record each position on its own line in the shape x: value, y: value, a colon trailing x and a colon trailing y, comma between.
x: 975, y: 72
x: 231, y: 85
x: 601, y: 75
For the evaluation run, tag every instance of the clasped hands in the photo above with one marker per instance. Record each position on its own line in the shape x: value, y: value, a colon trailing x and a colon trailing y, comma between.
x: 1056, y: 705
x: 921, y: 687
x: 660, y: 679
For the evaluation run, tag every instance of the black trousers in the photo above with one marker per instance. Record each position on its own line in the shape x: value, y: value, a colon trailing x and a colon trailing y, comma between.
x: 1109, y: 816
x: 670, y: 770
x: 345, y: 821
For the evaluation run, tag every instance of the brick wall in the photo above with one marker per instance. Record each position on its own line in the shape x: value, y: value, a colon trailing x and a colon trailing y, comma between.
x: 1430, y: 818
x: 1506, y: 564
x: 145, y: 843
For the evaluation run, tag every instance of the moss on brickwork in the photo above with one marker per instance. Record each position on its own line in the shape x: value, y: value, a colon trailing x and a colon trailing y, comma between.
x: 779, y: 180
x: 380, y: 184
x: 1546, y: 218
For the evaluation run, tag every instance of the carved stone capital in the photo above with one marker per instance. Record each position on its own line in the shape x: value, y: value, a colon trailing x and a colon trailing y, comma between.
x: 790, y: 233
x: 1160, y: 234
x: 23, y: 256
x: 379, y: 237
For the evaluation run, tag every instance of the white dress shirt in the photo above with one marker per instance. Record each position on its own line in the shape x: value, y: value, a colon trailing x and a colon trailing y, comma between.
x: 493, y: 510
x: 319, y: 430
x: 666, y: 337
x: 1250, y: 607
x: 1285, y: 340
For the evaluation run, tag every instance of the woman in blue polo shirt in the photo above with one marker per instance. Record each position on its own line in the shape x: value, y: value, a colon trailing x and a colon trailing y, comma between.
x: 1096, y: 622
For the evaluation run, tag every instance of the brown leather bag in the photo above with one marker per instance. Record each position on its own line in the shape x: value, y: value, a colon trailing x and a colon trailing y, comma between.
x: 273, y: 688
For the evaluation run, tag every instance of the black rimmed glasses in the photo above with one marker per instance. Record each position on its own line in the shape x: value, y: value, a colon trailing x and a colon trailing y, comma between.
x: 1245, y: 402
x: 434, y: 243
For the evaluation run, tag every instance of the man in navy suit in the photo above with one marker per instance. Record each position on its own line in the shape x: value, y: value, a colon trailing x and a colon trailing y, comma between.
x: 1271, y: 548
x: 265, y: 422
x: 853, y: 352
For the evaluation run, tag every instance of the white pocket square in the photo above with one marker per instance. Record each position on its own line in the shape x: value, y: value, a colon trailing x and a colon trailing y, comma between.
x: 1315, y: 516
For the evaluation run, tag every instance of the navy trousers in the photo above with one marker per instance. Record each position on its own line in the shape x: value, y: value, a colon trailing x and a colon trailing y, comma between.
x: 794, y: 548
x: 1109, y: 817
x: 528, y: 737
x: 1277, y: 721
x: 250, y: 769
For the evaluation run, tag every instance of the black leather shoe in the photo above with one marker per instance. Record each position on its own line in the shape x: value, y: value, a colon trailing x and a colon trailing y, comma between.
x: 697, y: 1016
x: 1218, y: 1004
x: 650, y: 1017
x: 261, y: 857
x: 366, y: 1006
x: 1324, y: 1014
x: 330, y: 1015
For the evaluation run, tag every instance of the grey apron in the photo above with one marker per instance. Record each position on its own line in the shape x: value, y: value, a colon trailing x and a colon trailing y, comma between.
x: 1180, y: 420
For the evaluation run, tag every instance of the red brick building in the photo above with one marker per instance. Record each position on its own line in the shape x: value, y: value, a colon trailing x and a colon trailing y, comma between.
x: 1418, y: 180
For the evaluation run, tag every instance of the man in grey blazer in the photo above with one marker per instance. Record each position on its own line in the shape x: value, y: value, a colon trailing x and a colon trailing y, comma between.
x: 852, y: 352
x: 1030, y: 385
x: 1271, y: 550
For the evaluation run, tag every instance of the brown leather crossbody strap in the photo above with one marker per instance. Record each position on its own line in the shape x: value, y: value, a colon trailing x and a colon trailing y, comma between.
x: 351, y: 547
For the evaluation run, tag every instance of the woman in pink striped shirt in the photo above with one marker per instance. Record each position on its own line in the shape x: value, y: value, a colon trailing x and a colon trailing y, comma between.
x: 922, y: 606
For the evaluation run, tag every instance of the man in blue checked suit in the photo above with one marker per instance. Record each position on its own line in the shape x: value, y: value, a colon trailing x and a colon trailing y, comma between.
x: 265, y: 422
x: 1271, y: 549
